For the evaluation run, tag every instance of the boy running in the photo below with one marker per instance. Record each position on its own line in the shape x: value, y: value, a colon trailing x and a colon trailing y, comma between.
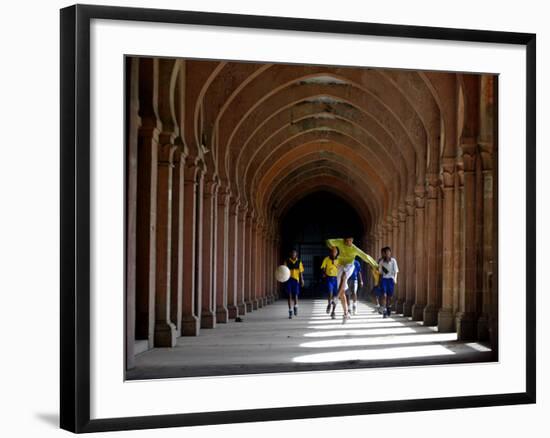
x: 347, y: 253
x: 388, y: 270
x: 296, y: 280
x: 330, y: 275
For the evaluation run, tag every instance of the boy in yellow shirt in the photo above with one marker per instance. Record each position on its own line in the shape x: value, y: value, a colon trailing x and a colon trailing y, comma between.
x: 347, y: 253
x: 295, y: 281
x: 330, y: 275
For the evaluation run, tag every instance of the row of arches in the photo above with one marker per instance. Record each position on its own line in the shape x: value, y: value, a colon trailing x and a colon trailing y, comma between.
x: 219, y: 151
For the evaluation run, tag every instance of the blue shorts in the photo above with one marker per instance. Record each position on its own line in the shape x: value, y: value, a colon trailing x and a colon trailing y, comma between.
x: 378, y: 291
x: 331, y: 284
x: 292, y: 287
x: 387, y: 284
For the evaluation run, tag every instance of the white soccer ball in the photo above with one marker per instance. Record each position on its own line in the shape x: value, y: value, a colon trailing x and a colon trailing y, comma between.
x: 282, y: 274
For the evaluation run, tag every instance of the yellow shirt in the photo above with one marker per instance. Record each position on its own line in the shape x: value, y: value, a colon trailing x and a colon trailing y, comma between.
x: 295, y: 273
x: 347, y: 255
x: 330, y: 267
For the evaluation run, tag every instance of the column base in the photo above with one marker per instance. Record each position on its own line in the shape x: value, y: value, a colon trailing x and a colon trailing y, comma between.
x: 260, y: 302
x: 417, y: 312
x: 165, y: 334
x: 232, y: 311
x: 445, y: 321
x: 190, y: 326
x: 466, y: 326
x: 399, y: 304
x: 255, y: 304
x: 222, y: 315
x: 430, y: 315
x: 407, y: 308
x: 483, y: 333
x: 249, y: 306
x: 241, y: 307
x: 208, y: 319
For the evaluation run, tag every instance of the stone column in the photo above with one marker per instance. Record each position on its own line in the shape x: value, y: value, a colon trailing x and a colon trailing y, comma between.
x: 257, y: 251
x: 134, y: 122
x: 445, y: 319
x: 466, y: 318
x: 146, y: 223
x: 410, y: 265
x: 176, y: 277
x: 232, y: 257
x: 221, y: 259
x: 433, y: 301
x: 165, y: 330
x: 395, y: 232
x: 250, y: 264
x: 402, y: 262
x: 458, y: 261
x: 483, y: 322
x: 242, y: 259
x: 208, y: 315
x: 265, y: 257
x: 275, y: 263
x: 420, y: 256
x: 190, y: 319
x: 379, y: 239
x: 388, y: 226
x: 268, y: 265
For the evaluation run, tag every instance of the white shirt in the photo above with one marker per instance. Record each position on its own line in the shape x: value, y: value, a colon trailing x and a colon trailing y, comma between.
x: 391, y: 267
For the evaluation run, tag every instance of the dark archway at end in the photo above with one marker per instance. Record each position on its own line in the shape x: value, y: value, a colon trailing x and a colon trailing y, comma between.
x: 308, y: 223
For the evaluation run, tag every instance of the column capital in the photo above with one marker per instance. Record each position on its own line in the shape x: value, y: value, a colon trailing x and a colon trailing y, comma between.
x: 167, y: 137
x: 183, y: 150
x: 409, y: 205
x: 242, y: 208
x: 194, y: 168
x: 460, y: 171
x: 448, y: 166
x: 469, y: 152
x: 166, y: 154
x: 395, y: 218
x: 419, y: 194
x: 486, y: 154
x: 432, y: 185
x: 233, y: 205
x: 402, y: 213
x: 224, y: 194
x: 210, y: 185
x: 151, y: 131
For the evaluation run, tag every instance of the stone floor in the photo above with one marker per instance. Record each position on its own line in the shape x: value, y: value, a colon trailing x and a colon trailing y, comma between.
x: 267, y: 341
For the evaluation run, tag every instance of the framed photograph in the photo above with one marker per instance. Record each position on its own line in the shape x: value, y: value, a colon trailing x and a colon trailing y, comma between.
x: 254, y: 206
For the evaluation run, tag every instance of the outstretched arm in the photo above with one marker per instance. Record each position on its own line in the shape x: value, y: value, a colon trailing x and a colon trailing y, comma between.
x: 366, y: 258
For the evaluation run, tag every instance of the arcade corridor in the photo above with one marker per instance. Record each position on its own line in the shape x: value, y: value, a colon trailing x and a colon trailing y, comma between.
x: 229, y: 164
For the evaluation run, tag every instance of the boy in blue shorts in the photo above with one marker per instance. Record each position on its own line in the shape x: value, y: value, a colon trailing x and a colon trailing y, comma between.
x: 330, y: 275
x: 388, y: 270
x: 296, y: 280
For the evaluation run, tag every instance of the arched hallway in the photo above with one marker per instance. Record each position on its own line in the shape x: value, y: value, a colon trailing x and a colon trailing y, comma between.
x: 221, y: 157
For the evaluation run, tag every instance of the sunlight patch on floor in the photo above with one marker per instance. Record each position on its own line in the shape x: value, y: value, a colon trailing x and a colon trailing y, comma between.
x: 354, y: 325
x: 375, y: 354
x: 359, y: 332
x: 386, y: 340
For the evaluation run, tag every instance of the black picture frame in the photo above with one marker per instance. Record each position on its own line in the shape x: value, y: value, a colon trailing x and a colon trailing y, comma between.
x: 75, y: 217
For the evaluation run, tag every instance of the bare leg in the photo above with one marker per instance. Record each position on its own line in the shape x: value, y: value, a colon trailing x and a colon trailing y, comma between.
x: 342, y: 294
